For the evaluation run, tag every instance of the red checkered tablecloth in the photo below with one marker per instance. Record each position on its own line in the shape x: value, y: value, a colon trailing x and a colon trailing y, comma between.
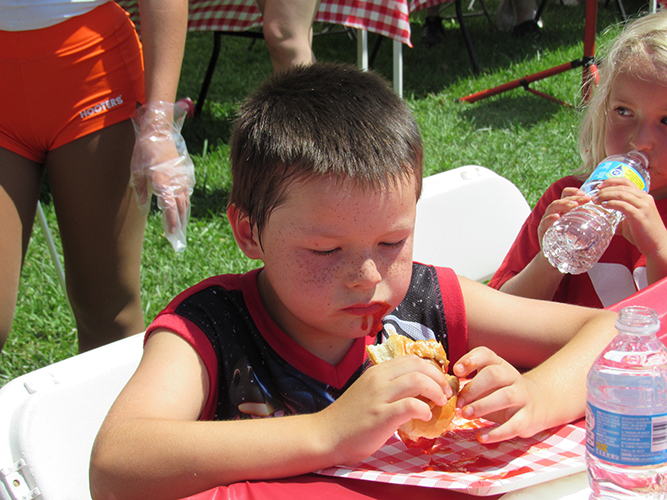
x: 389, y: 18
x: 459, y: 462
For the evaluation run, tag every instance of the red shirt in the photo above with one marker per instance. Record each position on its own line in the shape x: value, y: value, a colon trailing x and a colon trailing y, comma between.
x: 620, y: 272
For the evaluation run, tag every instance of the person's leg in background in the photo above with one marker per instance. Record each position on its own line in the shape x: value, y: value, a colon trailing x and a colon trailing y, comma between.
x: 433, y: 32
x: 288, y: 31
x: 20, y: 180
x: 526, y: 24
x: 102, y: 231
x: 518, y: 16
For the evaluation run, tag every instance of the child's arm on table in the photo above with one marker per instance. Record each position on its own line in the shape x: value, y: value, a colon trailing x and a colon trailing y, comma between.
x: 539, y: 279
x: 559, y: 342
x: 152, y: 446
x: 642, y: 226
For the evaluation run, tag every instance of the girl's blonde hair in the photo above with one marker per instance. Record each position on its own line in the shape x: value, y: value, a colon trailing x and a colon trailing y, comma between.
x: 641, y: 50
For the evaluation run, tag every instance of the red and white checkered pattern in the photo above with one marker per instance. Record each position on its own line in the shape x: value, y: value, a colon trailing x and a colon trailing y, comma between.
x: 460, y: 462
x: 386, y: 17
x: 390, y: 18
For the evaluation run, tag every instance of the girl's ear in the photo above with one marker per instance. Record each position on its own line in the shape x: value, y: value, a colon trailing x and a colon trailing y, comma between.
x: 244, y: 233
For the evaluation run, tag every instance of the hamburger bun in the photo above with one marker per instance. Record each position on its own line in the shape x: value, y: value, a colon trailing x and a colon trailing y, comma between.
x: 415, y: 432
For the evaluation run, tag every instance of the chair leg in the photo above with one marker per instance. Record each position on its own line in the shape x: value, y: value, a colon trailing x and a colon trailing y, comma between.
x: 486, y: 13
x: 53, y: 252
x: 540, y: 9
x: 621, y: 7
x: 466, y: 37
x: 209, y: 73
x: 217, y: 36
x: 374, y: 51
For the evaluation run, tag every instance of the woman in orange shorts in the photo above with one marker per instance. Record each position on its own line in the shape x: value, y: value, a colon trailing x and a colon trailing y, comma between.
x: 72, y: 77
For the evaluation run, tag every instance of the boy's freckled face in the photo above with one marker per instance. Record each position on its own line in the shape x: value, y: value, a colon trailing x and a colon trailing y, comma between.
x: 337, y: 257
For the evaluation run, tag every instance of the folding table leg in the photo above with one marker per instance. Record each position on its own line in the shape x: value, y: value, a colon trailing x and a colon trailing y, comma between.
x: 466, y: 37
x: 362, y: 49
x: 398, y: 68
x: 362, y: 59
x: 213, y: 61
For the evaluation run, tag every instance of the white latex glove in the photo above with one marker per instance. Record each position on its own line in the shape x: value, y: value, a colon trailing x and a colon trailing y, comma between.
x: 162, y: 166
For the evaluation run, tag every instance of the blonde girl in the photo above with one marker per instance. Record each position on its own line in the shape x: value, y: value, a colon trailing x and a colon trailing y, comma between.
x: 628, y: 110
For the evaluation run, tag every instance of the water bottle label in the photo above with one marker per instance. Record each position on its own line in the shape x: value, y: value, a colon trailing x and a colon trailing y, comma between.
x: 626, y: 439
x: 613, y: 168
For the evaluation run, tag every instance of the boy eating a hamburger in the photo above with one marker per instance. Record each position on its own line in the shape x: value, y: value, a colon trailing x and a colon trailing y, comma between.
x: 327, y: 168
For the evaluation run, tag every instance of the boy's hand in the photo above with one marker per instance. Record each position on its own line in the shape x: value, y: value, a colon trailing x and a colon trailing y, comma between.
x: 571, y: 197
x: 498, y: 392
x: 642, y: 226
x: 385, y: 397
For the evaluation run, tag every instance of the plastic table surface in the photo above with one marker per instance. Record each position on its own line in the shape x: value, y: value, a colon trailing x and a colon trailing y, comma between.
x: 327, y: 488
x: 655, y: 297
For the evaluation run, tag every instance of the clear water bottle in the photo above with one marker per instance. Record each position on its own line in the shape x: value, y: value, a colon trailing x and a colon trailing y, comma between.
x: 576, y: 241
x: 626, y: 412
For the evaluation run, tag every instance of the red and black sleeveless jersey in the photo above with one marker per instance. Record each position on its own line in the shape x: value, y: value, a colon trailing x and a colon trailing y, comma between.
x: 255, y: 368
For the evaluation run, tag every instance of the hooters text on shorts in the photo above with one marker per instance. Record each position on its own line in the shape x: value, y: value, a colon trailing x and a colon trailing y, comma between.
x: 101, y: 107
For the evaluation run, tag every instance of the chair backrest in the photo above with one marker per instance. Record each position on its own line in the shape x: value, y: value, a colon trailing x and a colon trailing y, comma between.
x: 467, y: 219
x: 49, y: 419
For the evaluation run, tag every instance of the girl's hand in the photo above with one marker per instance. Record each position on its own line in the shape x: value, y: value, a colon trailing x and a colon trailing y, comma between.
x: 570, y: 198
x: 642, y: 226
x: 385, y: 396
x: 498, y: 392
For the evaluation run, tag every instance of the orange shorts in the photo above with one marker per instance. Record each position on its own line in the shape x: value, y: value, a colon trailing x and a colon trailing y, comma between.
x: 69, y: 80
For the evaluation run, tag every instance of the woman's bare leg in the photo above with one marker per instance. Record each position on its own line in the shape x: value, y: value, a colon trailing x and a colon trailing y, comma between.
x: 288, y: 31
x: 20, y: 179
x: 102, y: 231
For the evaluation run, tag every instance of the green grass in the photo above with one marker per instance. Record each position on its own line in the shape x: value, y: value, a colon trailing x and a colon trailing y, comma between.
x: 529, y: 140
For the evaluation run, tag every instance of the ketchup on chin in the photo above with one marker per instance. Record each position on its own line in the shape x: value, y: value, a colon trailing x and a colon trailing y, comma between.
x: 377, y: 325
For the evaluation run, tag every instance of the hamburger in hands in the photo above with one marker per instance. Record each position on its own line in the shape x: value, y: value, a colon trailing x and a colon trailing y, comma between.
x: 417, y: 433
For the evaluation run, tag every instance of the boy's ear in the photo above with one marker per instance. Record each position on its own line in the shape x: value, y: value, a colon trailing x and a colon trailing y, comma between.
x: 244, y: 234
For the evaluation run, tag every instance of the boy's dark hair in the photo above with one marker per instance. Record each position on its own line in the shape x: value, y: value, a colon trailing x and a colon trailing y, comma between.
x: 321, y: 120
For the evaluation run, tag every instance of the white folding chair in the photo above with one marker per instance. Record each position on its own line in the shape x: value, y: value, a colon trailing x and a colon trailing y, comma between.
x: 467, y: 219
x: 49, y: 419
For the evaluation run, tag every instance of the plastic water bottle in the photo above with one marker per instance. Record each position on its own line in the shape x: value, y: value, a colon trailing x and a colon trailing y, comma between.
x: 626, y: 414
x: 576, y: 241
